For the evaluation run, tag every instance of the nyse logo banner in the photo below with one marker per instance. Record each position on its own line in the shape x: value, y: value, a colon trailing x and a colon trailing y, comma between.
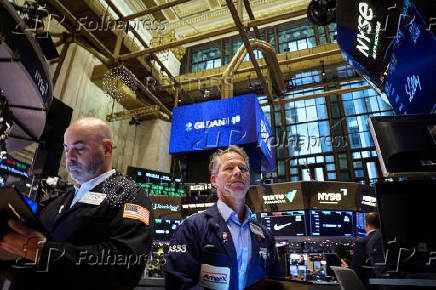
x: 332, y: 197
x: 335, y: 195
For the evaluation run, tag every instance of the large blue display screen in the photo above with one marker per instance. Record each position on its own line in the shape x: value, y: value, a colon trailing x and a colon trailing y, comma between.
x: 393, y: 46
x: 410, y: 84
x: 219, y: 123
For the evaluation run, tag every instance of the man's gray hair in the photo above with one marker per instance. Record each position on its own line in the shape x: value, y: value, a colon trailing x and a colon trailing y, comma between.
x: 215, y: 157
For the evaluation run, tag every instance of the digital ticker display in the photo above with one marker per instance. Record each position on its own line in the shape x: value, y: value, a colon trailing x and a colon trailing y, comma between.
x: 164, y: 229
x: 360, y: 224
x: 328, y: 223
x: 156, y: 183
x: 285, y: 223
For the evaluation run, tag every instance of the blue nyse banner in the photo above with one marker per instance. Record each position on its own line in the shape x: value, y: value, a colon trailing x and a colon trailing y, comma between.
x: 219, y: 123
x: 392, y: 44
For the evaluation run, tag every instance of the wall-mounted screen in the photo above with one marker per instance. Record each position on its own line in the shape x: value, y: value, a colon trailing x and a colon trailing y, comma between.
x: 328, y: 223
x: 285, y: 223
x: 156, y: 183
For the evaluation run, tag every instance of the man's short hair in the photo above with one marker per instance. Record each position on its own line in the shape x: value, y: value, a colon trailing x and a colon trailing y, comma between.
x: 371, y: 219
x: 215, y: 157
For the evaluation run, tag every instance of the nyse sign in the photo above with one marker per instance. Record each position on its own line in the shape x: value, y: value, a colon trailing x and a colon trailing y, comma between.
x: 332, y: 197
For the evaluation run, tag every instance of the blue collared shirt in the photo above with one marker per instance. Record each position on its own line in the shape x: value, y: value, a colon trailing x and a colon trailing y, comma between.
x: 240, y: 236
x: 90, y: 184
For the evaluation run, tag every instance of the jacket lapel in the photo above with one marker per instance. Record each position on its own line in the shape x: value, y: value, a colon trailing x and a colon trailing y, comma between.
x: 221, y: 230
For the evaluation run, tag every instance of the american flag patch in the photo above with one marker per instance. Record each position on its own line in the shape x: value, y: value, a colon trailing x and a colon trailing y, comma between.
x: 134, y: 211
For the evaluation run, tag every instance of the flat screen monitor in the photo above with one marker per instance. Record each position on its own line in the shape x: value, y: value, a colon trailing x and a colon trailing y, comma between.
x: 317, y: 266
x: 164, y: 229
x: 293, y: 270
x: 392, y: 45
x: 302, y: 269
x: 330, y: 223
x: 406, y: 145
x: 285, y: 223
x: 360, y: 224
x: 407, y: 213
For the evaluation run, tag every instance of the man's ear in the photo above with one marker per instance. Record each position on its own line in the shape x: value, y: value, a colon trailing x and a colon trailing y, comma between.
x: 107, y: 147
x: 212, y: 179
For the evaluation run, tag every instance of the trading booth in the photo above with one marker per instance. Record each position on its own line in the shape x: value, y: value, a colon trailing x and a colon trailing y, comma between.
x: 311, y: 220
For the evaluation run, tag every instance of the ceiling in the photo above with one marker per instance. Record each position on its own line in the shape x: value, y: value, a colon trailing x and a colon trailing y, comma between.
x: 187, y: 21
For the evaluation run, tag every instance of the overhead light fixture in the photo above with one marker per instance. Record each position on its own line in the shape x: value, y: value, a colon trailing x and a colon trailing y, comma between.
x: 250, y: 86
x: 323, y: 68
x: 115, y: 80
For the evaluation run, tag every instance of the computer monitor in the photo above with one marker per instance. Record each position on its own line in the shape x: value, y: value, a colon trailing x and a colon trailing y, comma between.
x: 406, y: 211
x: 254, y: 216
x: 360, y: 224
x: 285, y: 223
x: 330, y: 223
x: 293, y: 270
x: 164, y: 229
x: 297, y: 259
x: 406, y: 145
x: 392, y: 45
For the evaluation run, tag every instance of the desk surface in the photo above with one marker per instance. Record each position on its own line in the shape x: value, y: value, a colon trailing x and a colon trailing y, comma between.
x: 403, y: 282
x: 324, y: 283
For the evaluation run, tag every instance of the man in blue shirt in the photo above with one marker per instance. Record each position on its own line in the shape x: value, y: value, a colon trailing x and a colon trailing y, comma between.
x: 222, y: 247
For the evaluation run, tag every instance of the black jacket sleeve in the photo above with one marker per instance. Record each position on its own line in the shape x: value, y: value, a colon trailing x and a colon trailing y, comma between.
x: 182, y: 268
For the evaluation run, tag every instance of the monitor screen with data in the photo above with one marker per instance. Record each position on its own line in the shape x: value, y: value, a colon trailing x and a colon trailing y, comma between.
x: 330, y: 223
x: 285, y: 223
x: 360, y: 224
x: 164, y: 229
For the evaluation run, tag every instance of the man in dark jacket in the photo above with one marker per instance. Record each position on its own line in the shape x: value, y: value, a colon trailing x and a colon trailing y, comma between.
x: 368, y: 251
x: 100, y: 231
x: 222, y: 248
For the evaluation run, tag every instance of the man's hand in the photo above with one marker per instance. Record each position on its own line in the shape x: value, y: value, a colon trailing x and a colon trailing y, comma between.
x: 23, y: 241
x: 343, y: 263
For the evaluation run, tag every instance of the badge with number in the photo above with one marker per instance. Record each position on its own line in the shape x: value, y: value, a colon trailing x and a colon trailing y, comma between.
x: 256, y: 230
x: 94, y: 198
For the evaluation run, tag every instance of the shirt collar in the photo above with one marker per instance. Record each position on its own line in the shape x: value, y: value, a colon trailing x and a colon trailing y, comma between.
x: 370, y: 232
x: 95, y: 181
x: 228, y: 213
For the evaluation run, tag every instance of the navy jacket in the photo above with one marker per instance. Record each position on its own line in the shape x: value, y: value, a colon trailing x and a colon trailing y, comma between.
x: 367, y: 252
x: 202, y: 254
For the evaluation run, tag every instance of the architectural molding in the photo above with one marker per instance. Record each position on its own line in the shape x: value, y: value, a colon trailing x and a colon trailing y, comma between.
x: 169, y: 37
x: 222, y: 17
